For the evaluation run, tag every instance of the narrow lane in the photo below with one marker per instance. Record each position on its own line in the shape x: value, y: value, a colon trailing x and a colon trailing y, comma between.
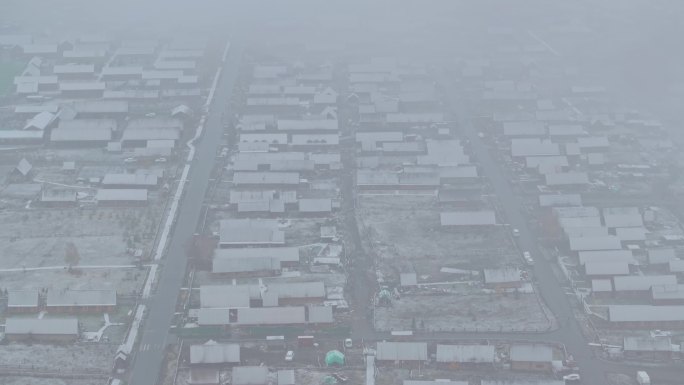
x: 548, y: 286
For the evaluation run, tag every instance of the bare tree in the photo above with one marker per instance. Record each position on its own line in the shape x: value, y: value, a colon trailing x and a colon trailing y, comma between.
x: 71, y: 255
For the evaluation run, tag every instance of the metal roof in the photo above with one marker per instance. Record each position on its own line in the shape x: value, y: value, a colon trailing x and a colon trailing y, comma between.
x: 531, y: 353
x: 224, y: 296
x: 244, y: 264
x: 283, y: 254
x: 283, y: 178
x: 43, y: 326
x: 401, y: 351
x: 323, y: 205
x: 504, y: 275
x: 22, y: 298
x: 111, y: 194
x: 250, y: 232
x: 137, y: 179
x: 647, y: 344
x: 607, y: 242
x: 643, y: 282
x: 466, y: 353
x: 645, y: 313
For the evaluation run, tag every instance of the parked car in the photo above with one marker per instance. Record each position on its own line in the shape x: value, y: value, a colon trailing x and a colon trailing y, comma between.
x: 348, y: 343
x: 130, y: 160
x: 289, y: 356
x: 571, y: 378
x: 160, y: 160
x: 516, y: 233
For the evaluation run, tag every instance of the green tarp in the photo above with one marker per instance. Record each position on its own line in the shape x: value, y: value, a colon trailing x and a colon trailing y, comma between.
x: 334, y: 357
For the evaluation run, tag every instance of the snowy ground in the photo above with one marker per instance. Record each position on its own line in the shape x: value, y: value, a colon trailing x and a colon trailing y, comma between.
x: 465, y: 310
x: 33, y: 238
x: 46, y: 381
x: 125, y: 281
x: 404, y: 231
x: 55, y: 357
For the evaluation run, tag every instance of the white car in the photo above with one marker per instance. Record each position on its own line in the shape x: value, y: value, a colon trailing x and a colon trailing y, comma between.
x: 528, y: 258
x: 130, y: 160
x: 516, y: 233
x: 571, y: 378
x: 160, y: 160
x: 289, y: 356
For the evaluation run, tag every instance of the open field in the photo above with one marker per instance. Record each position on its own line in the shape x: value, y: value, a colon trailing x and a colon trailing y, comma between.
x: 38, y: 238
x: 405, y: 230
x: 464, y: 309
x: 125, y: 281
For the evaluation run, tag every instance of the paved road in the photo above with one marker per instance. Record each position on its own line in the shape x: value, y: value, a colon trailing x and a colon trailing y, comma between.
x: 162, y: 305
x: 550, y: 289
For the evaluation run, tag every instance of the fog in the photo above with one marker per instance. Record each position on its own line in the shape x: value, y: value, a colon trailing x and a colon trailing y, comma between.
x: 320, y: 192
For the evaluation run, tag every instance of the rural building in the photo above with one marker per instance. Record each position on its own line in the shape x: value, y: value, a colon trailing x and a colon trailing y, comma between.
x: 121, y: 197
x: 22, y: 301
x: 288, y: 256
x: 41, y: 330
x: 466, y: 354
x: 212, y: 353
x: 535, y: 358
x: 58, y: 197
x: 320, y: 206
x: 605, y: 242
x: 250, y: 232
x: 401, y: 352
x: 648, y: 348
x: 74, y: 301
x: 645, y: 316
x: 641, y: 284
x: 130, y: 181
x: 667, y: 294
x: 622, y: 217
x: 505, y: 278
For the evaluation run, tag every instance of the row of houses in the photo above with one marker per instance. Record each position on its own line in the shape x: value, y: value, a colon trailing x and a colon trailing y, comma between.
x: 67, y: 301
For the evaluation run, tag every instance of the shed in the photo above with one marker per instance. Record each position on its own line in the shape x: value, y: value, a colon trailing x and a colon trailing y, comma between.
x: 401, y: 351
x: 466, y: 354
x: 212, y: 352
x: 535, y: 357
